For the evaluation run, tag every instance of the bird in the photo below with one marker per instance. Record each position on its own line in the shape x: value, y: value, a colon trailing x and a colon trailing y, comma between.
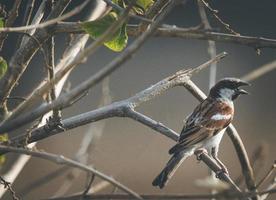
x: 204, y: 127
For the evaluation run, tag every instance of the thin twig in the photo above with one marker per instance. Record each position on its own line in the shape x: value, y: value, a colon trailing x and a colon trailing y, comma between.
x: 71, y: 13
x: 211, y: 44
x: 22, y: 57
x: 35, y: 21
x: 125, y: 107
x: 71, y: 52
x: 10, y: 20
x: 247, y: 170
x: 43, y: 180
x: 9, y: 187
x: 89, y: 185
x: 64, y: 100
x: 184, y: 33
x: 270, y: 187
x: 39, y: 92
x: 267, y: 175
x: 26, y: 18
x: 203, y: 156
x: 215, y: 14
x: 233, y: 195
x: 260, y: 71
x: 258, y: 158
x: 91, y: 136
x: 50, y: 66
x: 255, y: 42
x: 59, y: 159
x: 120, y: 9
x: 153, y: 12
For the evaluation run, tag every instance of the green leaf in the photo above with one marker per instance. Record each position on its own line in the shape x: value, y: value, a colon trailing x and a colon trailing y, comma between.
x: 2, y: 22
x: 3, y: 67
x: 145, y: 4
x: 117, y: 42
x: 3, y: 138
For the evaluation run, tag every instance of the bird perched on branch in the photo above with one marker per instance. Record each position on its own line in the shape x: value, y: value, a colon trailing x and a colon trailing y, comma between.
x: 204, y: 128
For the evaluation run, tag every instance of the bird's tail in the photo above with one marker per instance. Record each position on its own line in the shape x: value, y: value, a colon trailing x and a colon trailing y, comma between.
x: 162, y: 179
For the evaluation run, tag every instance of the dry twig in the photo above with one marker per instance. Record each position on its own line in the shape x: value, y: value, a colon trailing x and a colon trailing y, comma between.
x: 59, y: 159
x: 66, y: 99
x: 9, y: 187
x: 125, y: 108
x: 184, y: 33
x: 48, y: 22
x: 211, y: 44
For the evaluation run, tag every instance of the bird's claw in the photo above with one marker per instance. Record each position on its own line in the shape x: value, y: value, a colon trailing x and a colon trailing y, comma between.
x: 221, y: 171
x: 55, y: 124
x: 199, y: 152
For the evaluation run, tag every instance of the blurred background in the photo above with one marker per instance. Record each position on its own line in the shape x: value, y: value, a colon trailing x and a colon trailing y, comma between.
x: 135, y: 154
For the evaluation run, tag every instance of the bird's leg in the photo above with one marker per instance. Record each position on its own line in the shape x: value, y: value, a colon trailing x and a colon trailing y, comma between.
x: 198, y: 153
x: 219, y: 162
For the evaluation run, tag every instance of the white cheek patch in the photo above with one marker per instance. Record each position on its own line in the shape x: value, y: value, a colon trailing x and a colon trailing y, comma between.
x: 227, y: 93
x: 220, y: 117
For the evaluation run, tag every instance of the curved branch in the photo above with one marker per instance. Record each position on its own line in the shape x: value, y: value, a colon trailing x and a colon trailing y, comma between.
x: 59, y: 159
x: 233, y: 195
x: 120, y: 109
x: 48, y: 22
x: 184, y: 33
x: 22, y: 57
x: 124, y: 108
x: 65, y: 100
x: 203, y: 156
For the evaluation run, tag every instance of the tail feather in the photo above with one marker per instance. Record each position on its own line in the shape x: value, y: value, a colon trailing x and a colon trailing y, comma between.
x: 162, y: 179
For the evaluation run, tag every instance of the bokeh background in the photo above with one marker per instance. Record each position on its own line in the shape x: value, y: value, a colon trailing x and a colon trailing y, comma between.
x: 135, y: 154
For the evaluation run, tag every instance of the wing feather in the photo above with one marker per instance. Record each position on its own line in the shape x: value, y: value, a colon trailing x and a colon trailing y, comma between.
x: 200, y: 125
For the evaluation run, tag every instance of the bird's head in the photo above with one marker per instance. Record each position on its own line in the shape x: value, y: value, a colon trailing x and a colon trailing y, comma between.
x: 228, y: 88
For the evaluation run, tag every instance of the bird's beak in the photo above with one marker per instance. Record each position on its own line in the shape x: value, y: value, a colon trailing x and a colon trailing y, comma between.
x: 241, y: 91
x: 242, y: 83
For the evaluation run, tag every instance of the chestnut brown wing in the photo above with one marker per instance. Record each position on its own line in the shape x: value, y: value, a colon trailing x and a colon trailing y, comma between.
x: 208, y: 119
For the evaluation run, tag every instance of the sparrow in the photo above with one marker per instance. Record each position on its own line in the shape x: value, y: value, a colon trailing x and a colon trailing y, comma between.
x: 204, y: 127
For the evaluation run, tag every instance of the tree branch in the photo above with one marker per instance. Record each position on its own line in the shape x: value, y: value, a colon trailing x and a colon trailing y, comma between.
x: 233, y: 195
x: 203, y: 156
x: 184, y: 33
x: 260, y: 71
x: 66, y: 99
x: 49, y: 22
x: 61, y: 160
x: 121, y: 109
x: 211, y: 44
x: 125, y: 107
x: 10, y: 20
x: 22, y: 57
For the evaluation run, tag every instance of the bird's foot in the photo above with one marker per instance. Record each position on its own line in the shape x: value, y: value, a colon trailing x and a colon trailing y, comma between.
x: 221, y: 171
x: 219, y: 162
x: 199, y: 152
x: 54, y: 124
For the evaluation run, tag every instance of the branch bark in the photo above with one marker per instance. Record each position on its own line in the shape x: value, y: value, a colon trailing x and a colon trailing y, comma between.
x: 184, y: 33
x: 59, y: 159
x: 66, y: 99
x: 22, y: 57
x: 125, y: 108
x: 166, y: 196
